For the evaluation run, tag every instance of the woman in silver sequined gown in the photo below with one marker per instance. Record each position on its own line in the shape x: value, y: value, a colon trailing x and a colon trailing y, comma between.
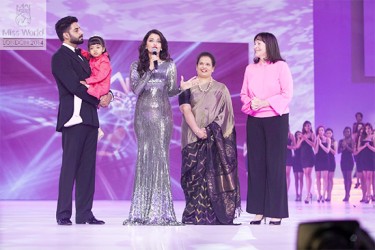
x: 152, y: 199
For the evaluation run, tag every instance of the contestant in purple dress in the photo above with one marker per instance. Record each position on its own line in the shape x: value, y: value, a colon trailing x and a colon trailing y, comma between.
x: 331, y: 163
x: 307, y: 156
x: 322, y: 146
x: 346, y: 147
x: 366, y: 156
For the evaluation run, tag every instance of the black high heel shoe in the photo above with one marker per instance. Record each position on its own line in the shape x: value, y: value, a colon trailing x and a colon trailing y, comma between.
x: 321, y: 199
x: 257, y: 222
x: 276, y: 223
x: 308, y: 199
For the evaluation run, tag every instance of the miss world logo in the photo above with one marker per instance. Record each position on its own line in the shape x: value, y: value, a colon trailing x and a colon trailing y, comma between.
x: 23, y: 16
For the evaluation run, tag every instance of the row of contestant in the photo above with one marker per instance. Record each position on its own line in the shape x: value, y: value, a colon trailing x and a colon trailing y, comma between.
x: 319, y: 150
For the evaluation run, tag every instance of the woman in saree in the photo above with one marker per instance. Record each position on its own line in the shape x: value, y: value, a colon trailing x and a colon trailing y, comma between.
x: 209, y: 176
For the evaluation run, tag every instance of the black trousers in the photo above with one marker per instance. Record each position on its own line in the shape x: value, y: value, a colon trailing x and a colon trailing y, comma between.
x: 267, y: 140
x: 79, y: 145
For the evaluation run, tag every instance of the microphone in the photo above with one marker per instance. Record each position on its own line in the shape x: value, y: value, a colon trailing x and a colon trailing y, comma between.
x: 155, y: 52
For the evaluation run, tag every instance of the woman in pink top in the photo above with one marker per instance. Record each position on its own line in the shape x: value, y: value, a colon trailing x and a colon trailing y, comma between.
x: 266, y: 93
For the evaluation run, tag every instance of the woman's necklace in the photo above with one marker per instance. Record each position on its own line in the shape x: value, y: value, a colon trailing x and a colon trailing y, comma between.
x: 208, y: 87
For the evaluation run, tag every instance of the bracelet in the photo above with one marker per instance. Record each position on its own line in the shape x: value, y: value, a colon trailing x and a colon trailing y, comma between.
x: 112, y: 95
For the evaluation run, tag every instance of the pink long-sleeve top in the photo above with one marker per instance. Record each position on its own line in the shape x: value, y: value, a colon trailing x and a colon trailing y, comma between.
x: 100, y: 78
x: 272, y: 82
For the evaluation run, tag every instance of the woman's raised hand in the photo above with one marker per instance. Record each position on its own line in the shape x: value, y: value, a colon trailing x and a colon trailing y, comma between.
x: 189, y: 83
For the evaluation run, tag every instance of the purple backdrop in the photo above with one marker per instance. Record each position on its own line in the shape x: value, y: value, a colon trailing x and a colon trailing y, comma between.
x: 369, y: 36
x: 341, y: 86
x: 30, y: 154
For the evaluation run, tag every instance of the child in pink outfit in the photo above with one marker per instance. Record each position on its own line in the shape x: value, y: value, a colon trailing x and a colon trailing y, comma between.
x: 100, y: 79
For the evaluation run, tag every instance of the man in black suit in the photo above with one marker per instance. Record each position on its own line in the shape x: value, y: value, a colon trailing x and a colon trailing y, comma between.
x: 79, y: 142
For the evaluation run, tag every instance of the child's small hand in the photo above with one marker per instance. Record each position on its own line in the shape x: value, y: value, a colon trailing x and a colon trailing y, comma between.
x: 84, y: 83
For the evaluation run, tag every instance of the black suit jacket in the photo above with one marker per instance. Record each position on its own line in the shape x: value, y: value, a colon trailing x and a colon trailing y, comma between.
x: 68, y: 69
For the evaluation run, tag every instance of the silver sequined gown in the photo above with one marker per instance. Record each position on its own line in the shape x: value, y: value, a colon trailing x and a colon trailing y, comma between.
x: 152, y: 199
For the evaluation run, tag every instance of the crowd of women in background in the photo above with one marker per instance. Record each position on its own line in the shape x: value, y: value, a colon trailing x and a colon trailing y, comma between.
x: 307, y: 150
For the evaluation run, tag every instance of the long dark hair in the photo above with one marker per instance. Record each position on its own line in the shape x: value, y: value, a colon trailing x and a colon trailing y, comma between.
x: 364, y: 134
x: 303, y: 127
x: 361, y: 135
x: 357, y: 125
x: 333, y: 136
x: 272, y: 47
x: 317, y: 130
x: 144, y: 60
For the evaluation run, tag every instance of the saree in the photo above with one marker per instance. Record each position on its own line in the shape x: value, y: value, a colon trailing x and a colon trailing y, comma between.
x: 209, y: 175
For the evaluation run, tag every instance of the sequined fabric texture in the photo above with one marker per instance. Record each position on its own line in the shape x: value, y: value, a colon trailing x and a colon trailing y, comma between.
x: 152, y: 199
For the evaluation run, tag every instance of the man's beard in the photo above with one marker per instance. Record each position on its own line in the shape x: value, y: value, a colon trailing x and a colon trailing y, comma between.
x: 78, y: 40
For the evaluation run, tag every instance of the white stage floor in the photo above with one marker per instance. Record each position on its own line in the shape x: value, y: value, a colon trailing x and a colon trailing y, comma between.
x: 32, y: 225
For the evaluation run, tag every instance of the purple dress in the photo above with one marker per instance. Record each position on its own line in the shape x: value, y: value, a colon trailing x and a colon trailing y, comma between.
x: 367, y: 157
x: 307, y: 155
x: 321, y: 159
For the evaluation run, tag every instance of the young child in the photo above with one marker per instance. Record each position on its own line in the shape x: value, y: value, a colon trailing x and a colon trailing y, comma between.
x: 99, y: 81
